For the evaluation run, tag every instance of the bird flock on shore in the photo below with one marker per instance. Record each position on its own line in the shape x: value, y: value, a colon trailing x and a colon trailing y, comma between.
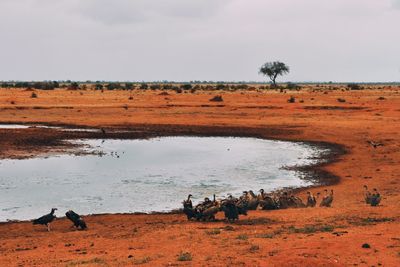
x: 233, y: 207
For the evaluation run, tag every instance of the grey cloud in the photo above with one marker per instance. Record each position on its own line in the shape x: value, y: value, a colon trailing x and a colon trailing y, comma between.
x: 132, y: 11
x: 327, y: 40
x: 396, y: 3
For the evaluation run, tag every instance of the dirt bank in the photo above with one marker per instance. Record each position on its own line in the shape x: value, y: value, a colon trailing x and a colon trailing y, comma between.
x: 320, y: 237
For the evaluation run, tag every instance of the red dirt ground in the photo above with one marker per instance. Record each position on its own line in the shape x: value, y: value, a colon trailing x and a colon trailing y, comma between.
x: 295, y: 237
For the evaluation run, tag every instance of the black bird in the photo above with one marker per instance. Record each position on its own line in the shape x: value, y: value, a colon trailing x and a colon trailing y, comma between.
x: 46, y: 219
x: 230, y: 210
x: 76, y: 219
x: 188, y: 208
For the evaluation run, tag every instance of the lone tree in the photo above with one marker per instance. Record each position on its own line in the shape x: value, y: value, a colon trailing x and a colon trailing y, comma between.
x: 273, y: 70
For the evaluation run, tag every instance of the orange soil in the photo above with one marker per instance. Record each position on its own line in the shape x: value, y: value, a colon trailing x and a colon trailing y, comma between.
x: 295, y: 237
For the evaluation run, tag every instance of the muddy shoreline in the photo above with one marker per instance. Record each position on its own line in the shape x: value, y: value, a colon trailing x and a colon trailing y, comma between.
x: 313, y: 172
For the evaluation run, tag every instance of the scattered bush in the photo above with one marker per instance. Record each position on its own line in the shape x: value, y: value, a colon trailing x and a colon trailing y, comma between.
x: 74, y: 85
x: 292, y: 99
x: 34, y: 95
x: 114, y: 86
x: 177, y: 90
x: 185, y: 256
x: 254, y: 248
x: 354, y: 86
x: 217, y: 98
x: 366, y: 245
x: 186, y: 86
x: 292, y: 86
x: 341, y: 100
x: 155, y: 87
x: 129, y: 86
x: 242, y: 237
x: 167, y: 86
x: 98, y: 86
x: 242, y: 86
x: 221, y: 86
x: 144, y: 86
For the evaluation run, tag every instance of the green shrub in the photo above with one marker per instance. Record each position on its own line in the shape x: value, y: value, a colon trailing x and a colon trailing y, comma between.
x: 185, y: 256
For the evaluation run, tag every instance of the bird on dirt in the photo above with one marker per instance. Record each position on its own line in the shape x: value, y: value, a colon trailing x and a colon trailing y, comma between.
x: 46, y: 219
x: 311, y: 200
x: 76, y: 219
x: 188, y: 208
x: 375, y: 198
x: 327, y: 199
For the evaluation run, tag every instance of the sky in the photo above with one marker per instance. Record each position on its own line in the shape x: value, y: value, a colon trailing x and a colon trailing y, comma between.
x: 183, y: 40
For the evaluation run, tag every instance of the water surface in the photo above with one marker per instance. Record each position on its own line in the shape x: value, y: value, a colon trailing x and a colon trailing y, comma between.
x: 147, y: 175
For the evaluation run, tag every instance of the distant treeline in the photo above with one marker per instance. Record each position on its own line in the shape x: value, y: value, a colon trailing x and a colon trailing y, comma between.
x: 179, y: 87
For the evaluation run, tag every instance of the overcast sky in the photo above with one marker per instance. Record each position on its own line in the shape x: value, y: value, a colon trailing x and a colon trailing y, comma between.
x: 321, y: 40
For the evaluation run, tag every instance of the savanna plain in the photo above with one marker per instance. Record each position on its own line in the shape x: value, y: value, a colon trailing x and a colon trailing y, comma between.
x: 350, y: 233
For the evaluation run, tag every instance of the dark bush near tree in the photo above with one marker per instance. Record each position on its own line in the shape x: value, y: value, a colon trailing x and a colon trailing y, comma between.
x: 177, y: 89
x: 22, y: 85
x: 144, y: 86
x: 45, y: 85
x: 155, y: 86
x: 354, y: 86
x: 242, y: 86
x: 167, y: 86
x: 74, y: 85
x: 221, y: 86
x: 114, y: 86
x: 186, y: 86
x: 292, y: 86
x: 98, y: 86
x: 129, y: 86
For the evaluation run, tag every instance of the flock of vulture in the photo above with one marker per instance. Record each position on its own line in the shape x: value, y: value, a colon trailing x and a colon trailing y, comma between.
x: 75, y: 218
x: 231, y: 206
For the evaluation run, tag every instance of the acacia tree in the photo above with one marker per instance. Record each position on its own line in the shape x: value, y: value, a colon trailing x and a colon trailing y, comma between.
x: 273, y: 70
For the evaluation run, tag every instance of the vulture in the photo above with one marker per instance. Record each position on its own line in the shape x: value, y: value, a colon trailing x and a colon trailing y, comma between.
x: 46, y: 219
x: 252, y: 201
x: 375, y: 198
x: 268, y: 203
x: 311, y: 200
x: 230, y: 210
x: 76, y: 219
x: 327, y: 200
x: 188, y: 208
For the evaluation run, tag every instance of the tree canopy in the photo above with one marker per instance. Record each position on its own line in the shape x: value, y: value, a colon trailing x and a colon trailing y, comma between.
x: 273, y: 70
